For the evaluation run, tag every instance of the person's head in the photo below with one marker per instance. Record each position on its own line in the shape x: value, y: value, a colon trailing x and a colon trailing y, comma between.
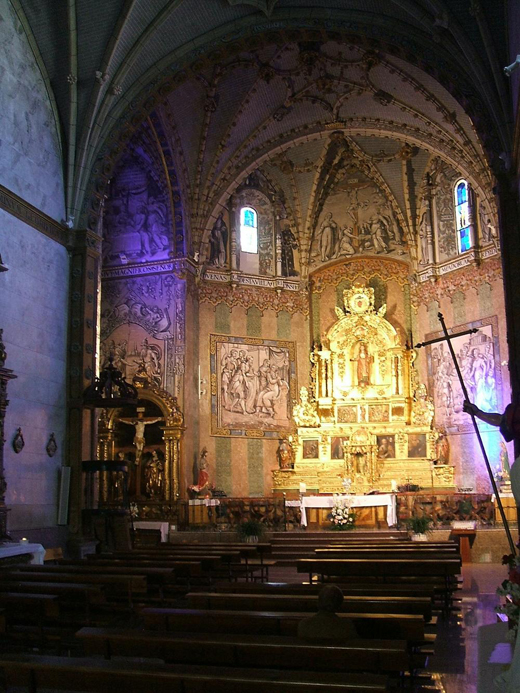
x: 330, y: 598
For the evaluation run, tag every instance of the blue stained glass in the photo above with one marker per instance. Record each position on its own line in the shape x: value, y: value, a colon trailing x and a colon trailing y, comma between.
x: 249, y: 217
x: 465, y: 240
x: 462, y: 193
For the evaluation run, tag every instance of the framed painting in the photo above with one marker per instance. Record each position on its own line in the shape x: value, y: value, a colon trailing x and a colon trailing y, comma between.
x: 386, y: 447
x: 478, y: 357
x: 416, y: 445
x: 253, y: 384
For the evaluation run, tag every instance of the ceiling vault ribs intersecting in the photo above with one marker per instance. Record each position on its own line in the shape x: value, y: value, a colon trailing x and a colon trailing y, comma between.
x: 453, y: 92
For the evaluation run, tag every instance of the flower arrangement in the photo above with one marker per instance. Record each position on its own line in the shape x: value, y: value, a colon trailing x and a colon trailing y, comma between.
x: 134, y: 510
x: 342, y: 517
x: 510, y: 589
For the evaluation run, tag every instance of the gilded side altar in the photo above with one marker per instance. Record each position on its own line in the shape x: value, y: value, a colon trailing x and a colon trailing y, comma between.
x: 366, y: 417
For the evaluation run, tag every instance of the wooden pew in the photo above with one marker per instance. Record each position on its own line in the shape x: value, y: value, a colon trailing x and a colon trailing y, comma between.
x: 410, y: 627
x: 85, y: 594
x: 367, y: 589
x: 86, y: 674
x: 383, y: 570
x: 156, y: 576
x: 309, y: 603
x: 377, y: 656
x: 390, y: 554
x: 133, y: 584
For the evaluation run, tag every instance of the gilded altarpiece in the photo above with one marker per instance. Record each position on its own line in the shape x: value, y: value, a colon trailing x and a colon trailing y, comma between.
x: 147, y: 438
x: 367, y: 417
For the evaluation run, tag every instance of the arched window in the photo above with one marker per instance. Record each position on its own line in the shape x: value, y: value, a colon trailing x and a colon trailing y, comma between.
x: 462, y: 216
x: 248, y: 230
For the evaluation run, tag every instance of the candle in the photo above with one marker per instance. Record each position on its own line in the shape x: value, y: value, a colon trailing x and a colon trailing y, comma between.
x: 303, y: 488
x: 394, y: 485
x: 23, y: 540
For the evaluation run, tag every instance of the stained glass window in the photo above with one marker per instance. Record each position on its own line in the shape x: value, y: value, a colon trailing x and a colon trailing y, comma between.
x: 248, y: 230
x: 462, y: 216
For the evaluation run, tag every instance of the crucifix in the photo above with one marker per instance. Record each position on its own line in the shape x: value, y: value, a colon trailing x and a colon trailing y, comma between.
x: 447, y: 338
x: 140, y: 424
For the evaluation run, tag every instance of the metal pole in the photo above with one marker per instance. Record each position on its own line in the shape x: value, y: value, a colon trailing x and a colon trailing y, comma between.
x: 479, y: 437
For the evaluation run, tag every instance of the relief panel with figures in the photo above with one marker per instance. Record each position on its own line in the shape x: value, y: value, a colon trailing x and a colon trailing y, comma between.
x: 357, y: 219
x: 137, y: 218
x: 479, y: 360
x: 140, y: 323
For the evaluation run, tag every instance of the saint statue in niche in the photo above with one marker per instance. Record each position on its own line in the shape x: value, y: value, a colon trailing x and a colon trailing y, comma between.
x: 289, y: 245
x: 154, y: 475
x: 140, y: 424
x: 218, y: 243
x: 363, y: 365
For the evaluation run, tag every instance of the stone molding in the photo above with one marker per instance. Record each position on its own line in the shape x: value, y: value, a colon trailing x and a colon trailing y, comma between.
x: 30, y: 215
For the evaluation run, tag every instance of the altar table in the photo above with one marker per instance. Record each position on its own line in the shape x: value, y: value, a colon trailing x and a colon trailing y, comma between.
x: 150, y: 524
x: 18, y: 549
x: 386, y: 499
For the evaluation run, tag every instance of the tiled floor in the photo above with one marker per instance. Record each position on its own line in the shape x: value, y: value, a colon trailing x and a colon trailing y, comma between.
x: 455, y: 663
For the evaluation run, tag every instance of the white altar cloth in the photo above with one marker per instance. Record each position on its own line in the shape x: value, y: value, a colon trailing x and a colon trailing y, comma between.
x: 150, y: 524
x: 19, y: 549
x: 386, y: 499
x: 204, y: 501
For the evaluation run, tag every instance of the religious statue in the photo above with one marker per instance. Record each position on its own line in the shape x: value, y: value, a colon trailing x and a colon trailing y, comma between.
x: 289, y: 245
x: 422, y: 407
x: 202, y: 487
x: 140, y: 424
x: 218, y: 243
x: 442, y: 448
x: 285, y: 454
x: 363, y: 365
x: 154, y: 475
x: 304, y: 412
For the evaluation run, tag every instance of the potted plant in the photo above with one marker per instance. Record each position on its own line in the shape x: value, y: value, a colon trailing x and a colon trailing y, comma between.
x: 250, y: 530
x: 419, y: 526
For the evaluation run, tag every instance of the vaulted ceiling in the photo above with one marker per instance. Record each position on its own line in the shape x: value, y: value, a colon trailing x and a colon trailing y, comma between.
x: 288, y: 86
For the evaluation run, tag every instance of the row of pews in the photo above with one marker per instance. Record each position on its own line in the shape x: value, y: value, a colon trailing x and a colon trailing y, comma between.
x: 183, y: 617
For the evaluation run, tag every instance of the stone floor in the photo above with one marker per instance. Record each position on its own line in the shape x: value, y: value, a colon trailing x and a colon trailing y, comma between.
x: 455, y: 665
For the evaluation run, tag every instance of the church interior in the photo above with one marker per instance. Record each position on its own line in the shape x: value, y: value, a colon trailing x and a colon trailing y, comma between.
x: 255, y: 255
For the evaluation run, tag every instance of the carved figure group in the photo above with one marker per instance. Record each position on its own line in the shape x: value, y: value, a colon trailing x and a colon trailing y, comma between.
x: 247, y: 389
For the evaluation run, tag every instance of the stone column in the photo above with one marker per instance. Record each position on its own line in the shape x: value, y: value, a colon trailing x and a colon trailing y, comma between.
x: 5, y: 376
x: 233, y: 230
x: 85, y: 264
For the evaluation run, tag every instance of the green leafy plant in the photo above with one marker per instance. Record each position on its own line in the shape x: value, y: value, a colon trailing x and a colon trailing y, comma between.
x: 419, y: 524
x: 250, y: 528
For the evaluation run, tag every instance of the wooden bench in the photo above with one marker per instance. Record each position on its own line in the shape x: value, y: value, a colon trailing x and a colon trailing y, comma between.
x: 382, y: 570
x: 98, y: 676
x: 309, y: 603
x: 132, y: 584
x: 410, y: 627
x: 378, y: 656
x: 367, y: 589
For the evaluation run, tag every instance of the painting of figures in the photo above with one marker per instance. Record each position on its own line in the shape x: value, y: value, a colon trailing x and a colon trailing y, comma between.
x: 478, y: 358
x: 253, y: 384
x: 357, y: 219
x: 416, y: 445
x: 310, y: 449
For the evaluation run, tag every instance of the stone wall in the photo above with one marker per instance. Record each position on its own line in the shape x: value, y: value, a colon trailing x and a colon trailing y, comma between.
x: 34, y: 292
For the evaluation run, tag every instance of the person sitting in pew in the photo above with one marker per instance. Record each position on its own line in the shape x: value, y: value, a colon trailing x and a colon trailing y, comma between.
x: 326, y: 624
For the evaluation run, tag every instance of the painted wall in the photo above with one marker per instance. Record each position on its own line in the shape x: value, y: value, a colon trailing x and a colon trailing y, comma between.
x: 34, y: 292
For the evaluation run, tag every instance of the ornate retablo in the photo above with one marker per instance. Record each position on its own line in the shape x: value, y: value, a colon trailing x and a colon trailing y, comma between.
x: 366, y: 416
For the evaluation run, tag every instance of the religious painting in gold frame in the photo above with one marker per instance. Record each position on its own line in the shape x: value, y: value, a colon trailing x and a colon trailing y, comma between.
x: 310, y: 449
x: 253, y: 385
